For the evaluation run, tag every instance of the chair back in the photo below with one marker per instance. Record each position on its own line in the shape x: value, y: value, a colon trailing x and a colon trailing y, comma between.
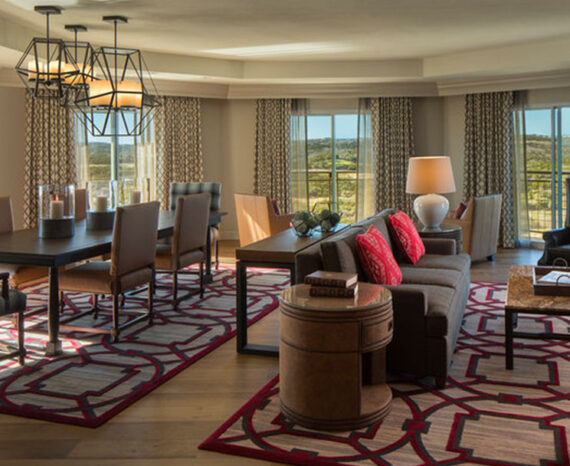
x: 194, y: 187
x: 6, y: 220
x: 253, y: 217
x: 134, y: 238
x: 485, y: 225
x: 80, y: 204
x: 191, y: 224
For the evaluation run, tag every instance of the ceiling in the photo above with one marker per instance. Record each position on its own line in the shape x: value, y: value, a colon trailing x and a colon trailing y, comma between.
x: 318, y: 41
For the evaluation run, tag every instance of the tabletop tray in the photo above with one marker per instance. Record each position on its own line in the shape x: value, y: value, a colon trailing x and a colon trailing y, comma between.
x: 551, y: 289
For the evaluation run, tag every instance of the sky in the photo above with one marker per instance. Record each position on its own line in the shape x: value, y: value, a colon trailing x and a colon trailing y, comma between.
x: 319, y: 126
x: 539, y: 122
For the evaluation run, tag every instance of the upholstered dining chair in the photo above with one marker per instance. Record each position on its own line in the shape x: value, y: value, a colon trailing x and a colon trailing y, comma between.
x: 18, y: 274
x: 13, y: 302
x: 81, y: 204
x: 194, y: 187
x: 188, y: 242
x: 132, y: 264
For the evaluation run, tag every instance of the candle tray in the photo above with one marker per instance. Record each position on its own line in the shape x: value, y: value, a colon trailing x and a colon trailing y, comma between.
x: 54, y: 228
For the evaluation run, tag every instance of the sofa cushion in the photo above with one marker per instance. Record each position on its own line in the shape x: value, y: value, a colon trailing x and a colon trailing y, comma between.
x: 340, y: 255
x: 380, y: 221
x: 459, y: 262
x: 406, y: 237
x: 412, y: 274
x: 376, y: 258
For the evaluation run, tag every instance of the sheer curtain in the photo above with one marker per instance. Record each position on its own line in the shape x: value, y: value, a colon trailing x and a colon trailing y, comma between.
x: 521, y: 178
x: 366, y: 183
x: 299, y: 174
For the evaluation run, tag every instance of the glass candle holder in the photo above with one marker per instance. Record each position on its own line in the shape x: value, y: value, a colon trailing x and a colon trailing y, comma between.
x: 134, y: 191
x: 56, y: 211
x: 102, y: 195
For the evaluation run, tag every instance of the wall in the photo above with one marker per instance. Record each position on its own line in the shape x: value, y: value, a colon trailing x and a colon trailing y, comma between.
x: 228, y: 144
x: 12, y: 148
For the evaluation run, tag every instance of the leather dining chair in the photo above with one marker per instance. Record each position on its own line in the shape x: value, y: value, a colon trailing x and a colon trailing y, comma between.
x: 188, y: 242
x: 196, y: 187
x: 132, y: 264
x: 13, y: 302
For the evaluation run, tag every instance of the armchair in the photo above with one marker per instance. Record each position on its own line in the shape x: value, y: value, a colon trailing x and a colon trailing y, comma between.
x: 257, y: 219
x: 557, y: 241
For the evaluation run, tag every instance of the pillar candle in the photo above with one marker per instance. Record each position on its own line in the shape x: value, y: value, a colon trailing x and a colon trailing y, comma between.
x: 101, y: 204
x: 135, y: 197
x: 56, y: 209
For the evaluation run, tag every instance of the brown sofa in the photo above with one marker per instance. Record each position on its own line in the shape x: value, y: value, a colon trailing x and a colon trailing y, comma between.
x: 428, y: 305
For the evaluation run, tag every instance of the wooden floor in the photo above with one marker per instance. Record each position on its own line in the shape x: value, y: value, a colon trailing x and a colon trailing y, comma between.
x: 166, y: 426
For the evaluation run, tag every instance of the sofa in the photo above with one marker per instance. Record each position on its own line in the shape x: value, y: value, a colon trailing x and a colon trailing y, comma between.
x: 428, y: 304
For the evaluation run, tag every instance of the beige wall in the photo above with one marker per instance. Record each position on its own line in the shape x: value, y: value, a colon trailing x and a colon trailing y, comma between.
x: 228, y: 143
x: 12, y: 148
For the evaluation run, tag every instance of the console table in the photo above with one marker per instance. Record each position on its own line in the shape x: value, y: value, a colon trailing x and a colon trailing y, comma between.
x: 332, y: 363
x: 276, y: 252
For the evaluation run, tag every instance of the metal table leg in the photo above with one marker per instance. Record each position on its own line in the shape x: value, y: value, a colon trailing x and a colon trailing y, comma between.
x: 508, y: 339
x: 208, y: 272
x: 53, y: 347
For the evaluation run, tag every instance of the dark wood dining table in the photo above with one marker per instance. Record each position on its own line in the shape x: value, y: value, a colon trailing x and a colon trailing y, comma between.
x: 24, y: 247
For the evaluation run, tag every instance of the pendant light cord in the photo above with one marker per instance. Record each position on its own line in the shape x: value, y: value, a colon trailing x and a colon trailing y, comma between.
x: 49, y: 99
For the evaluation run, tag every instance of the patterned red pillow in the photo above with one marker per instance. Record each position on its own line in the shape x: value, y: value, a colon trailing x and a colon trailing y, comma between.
x: 377, y: 259
x: 407, y: 237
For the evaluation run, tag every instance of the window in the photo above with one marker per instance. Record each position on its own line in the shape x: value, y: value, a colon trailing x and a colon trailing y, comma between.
x: 123, y: 159
x: 331, y: 165
x: 544, y: 163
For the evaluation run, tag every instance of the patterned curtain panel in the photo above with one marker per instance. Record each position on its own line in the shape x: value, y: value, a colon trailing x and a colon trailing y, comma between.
x: 178, y: 132
x: 299, y: 175
x: 272, y: 151
x: 50, y: 149
x: 489, y: 154
x: 393, y: 144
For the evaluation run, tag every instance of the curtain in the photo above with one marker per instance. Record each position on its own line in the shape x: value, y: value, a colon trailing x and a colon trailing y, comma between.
x: 521, y: 191
x: 299, y: 175
x: 272, y: 175
x: 489, y: 154
x: 365, y: 179
x: 178, y: 132
x: 393, y: 144
x: 50, y: 149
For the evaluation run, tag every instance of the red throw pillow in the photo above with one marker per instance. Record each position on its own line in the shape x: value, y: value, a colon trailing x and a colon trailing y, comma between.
x: 377, y: 259
x: 461, y: 208
x: 275, y: 206
x: 407, y: 237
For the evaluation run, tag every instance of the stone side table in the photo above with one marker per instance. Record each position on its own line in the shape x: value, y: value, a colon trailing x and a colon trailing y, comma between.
x: 448, y: 231
x: 332, y: 357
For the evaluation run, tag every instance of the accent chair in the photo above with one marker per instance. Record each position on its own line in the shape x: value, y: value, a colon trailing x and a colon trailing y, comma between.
x: 557, y: 241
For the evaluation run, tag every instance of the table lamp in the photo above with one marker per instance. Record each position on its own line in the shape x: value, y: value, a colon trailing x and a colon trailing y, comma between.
x: 430, y: 176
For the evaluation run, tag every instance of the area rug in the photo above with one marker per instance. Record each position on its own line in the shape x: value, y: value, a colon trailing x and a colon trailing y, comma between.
x: 485, y: 414
x: 95, y: 379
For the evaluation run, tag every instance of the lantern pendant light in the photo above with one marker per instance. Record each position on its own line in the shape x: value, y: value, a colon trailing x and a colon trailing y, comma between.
x: 116, y: 100
x: 46, y: 63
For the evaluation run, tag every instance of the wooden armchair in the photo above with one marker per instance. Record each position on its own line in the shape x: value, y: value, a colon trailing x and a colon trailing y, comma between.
x: 480, y: 226
x: 257, y: 219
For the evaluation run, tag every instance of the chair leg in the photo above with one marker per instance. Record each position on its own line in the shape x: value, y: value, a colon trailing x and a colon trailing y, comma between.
x: 95, y: 305
x: 175, y: 289
x: 115, y: 331
x: 61, y: 302
x: 201, y: 279
x: 21, y: 345
x: 217, y: 254
x: 122, y: 299
x: 150, y: 302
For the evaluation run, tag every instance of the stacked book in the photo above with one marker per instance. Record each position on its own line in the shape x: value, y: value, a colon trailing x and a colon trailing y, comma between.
x: 333, y: 284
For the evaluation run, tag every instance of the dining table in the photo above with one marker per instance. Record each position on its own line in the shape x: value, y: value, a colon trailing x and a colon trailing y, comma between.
x: 26, y: 248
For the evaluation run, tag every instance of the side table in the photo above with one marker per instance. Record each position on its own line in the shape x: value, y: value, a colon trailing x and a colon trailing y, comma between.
x: 448, y: 231
x: 332, y: 357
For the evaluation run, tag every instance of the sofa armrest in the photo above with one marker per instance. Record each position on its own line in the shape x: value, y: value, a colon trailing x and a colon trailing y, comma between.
x: 558, y: 237
x: 408, y: 301
x: 443, y: 246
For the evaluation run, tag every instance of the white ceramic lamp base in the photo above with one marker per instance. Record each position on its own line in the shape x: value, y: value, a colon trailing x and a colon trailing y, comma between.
x: 431, y: 209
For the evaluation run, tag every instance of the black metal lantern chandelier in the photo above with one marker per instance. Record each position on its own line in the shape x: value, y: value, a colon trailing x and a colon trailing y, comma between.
x: 47, y: 63
x: 108, y: 88
x: 117, y: 101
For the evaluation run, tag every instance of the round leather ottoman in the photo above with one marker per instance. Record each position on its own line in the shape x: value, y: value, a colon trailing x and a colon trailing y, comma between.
x: 332, y: 357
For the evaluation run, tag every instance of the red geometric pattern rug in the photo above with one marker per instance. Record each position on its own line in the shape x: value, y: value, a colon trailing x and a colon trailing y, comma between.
x: 485, y: 414
x: 95, y: 379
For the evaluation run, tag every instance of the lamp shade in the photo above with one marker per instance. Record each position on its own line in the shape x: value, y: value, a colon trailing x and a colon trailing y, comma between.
x: 431, y: 174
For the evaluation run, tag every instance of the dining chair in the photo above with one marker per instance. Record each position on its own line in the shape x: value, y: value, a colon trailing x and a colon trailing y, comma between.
x: 194, y: 187
x: 13, y: 302
x: 188, y: 243
x: 132, y: 265
x: 81, y: 204
x: 18, y: 274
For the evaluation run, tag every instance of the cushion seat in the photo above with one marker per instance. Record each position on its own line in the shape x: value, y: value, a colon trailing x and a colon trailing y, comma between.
x: 560, y: 251
x: 424, y: 276
x: 459, y: 262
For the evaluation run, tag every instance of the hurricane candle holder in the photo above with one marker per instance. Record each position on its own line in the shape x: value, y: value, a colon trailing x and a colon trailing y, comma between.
x: 134, y: 191
x: 56, y: 211
x: 102, y: 205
